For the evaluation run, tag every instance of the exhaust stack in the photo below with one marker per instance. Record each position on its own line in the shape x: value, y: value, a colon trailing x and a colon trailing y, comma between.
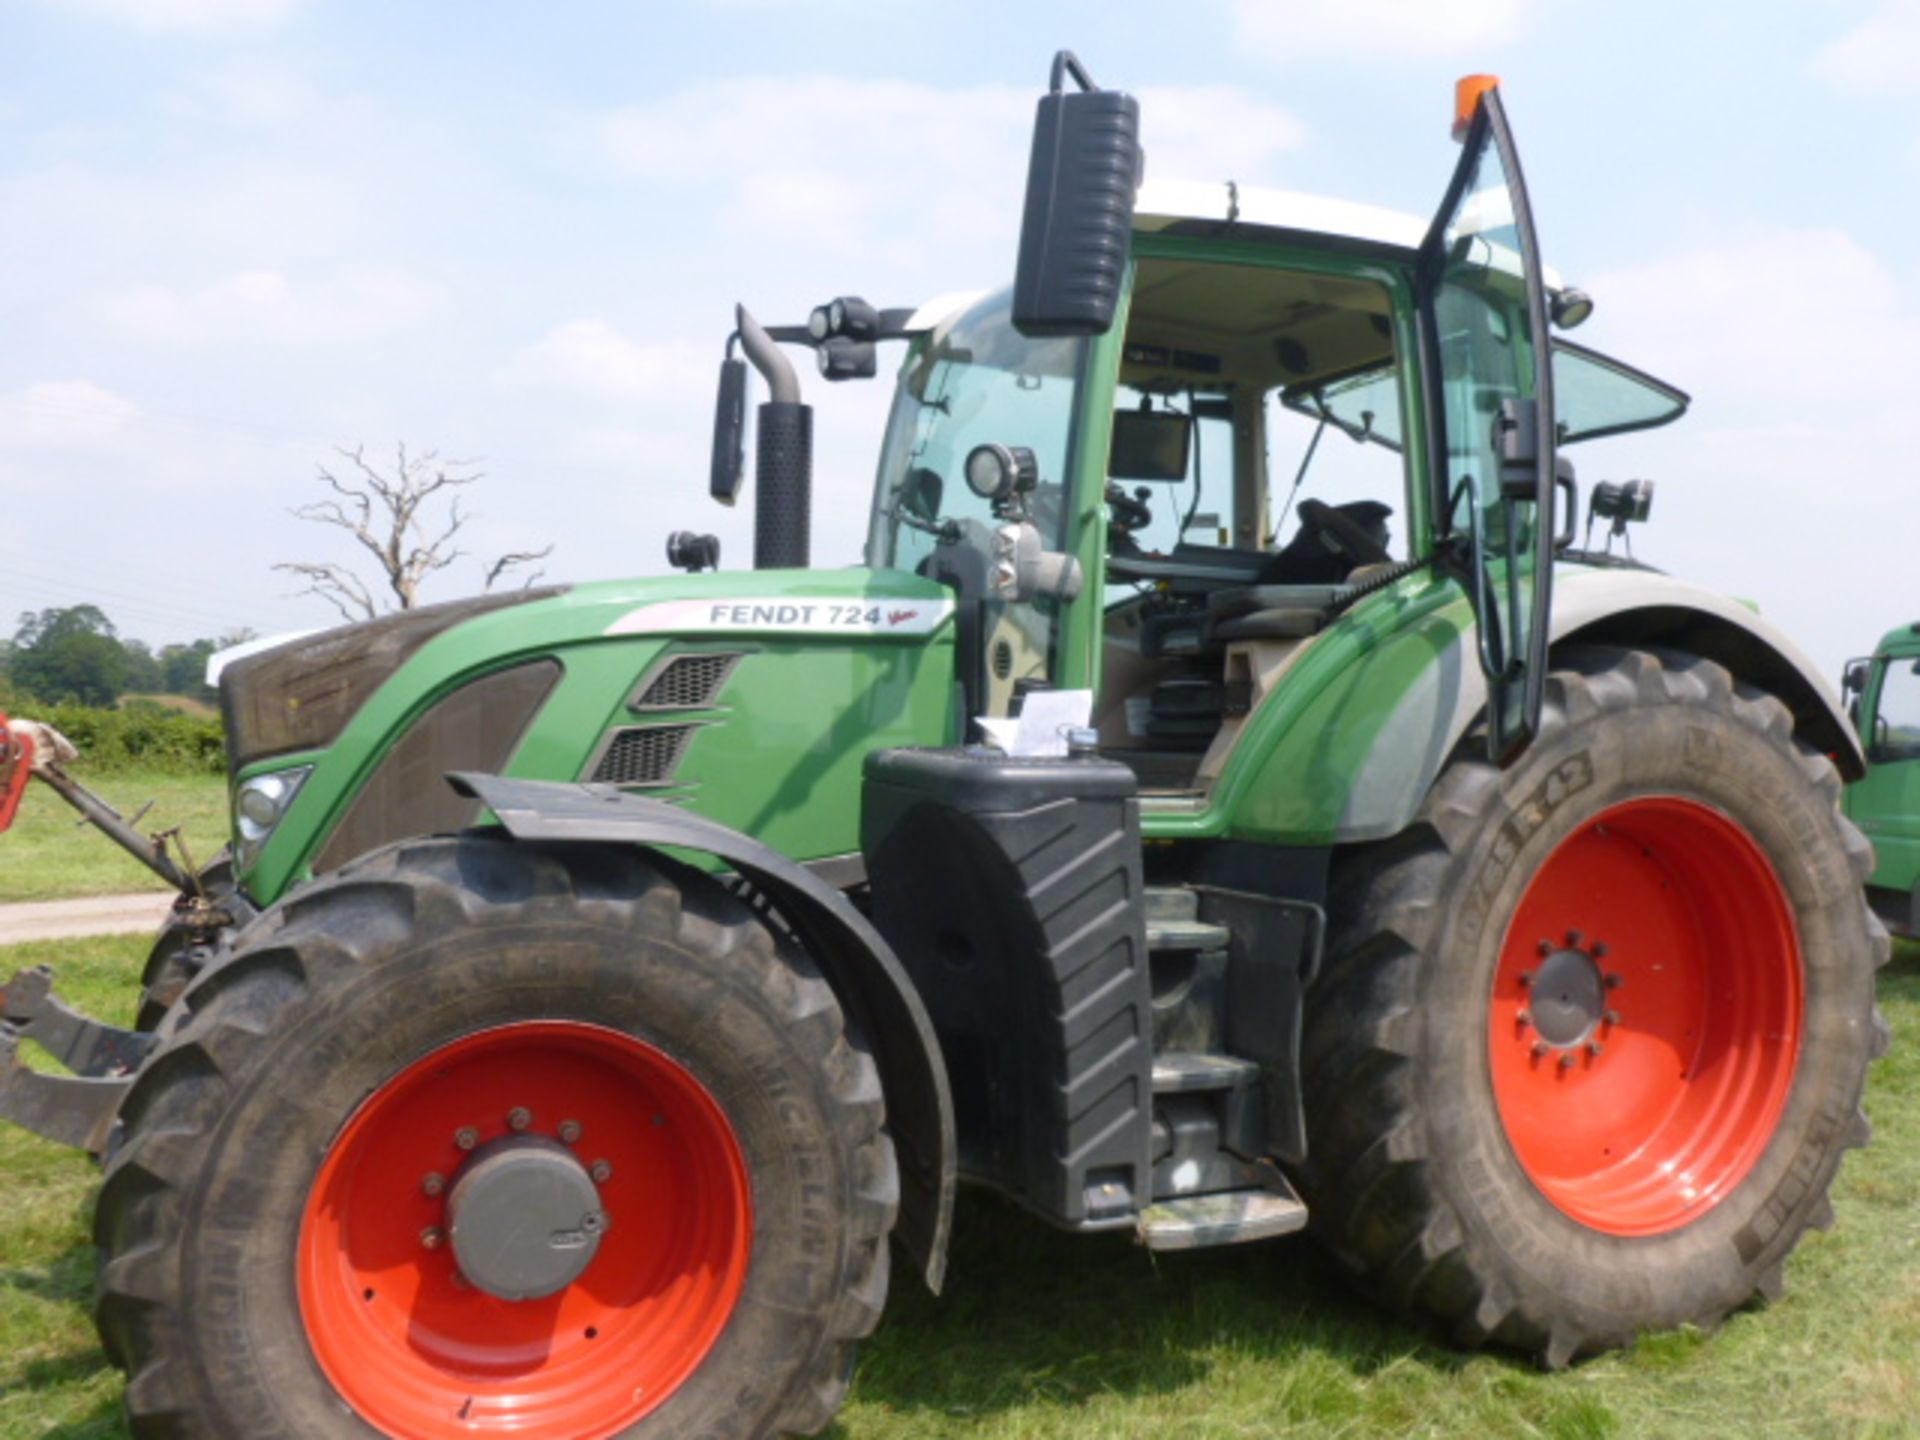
x: 783, y: 456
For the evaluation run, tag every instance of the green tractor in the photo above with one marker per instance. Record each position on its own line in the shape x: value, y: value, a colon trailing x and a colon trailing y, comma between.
x: 603, y: 976
x: 1883, y: 699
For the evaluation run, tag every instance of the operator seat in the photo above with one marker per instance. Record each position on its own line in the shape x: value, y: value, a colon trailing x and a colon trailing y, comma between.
x: 1314, y: 557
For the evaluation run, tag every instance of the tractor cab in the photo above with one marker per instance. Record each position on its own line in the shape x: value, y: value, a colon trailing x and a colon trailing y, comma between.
x: 1292, y: 405
x: 1883, y: 699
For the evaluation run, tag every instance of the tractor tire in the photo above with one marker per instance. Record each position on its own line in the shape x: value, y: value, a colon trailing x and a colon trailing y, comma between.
x: 182, y: 949
x: 1593, y: 1031
x: 283, y: 1248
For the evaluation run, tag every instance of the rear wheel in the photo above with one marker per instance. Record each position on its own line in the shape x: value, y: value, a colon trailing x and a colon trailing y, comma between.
x: 479, y: 1137
x: 1594, y: 1031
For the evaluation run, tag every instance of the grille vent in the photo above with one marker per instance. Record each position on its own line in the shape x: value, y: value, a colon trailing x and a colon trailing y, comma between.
x: 689, y: 682
x: 643, y: 755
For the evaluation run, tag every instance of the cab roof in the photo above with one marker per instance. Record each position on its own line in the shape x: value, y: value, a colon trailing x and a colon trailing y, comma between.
x: 1164, y: 204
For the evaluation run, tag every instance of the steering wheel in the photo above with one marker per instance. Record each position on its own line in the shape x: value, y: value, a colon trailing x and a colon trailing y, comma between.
x: 1128, y: 513
x: 1359, y: 546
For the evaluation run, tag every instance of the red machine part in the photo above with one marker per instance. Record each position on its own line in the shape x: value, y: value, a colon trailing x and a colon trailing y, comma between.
x: 16, y: 768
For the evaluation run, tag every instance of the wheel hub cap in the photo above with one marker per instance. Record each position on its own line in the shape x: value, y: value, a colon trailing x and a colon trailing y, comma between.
x: 1569, y: 998
x: 525, y: 1219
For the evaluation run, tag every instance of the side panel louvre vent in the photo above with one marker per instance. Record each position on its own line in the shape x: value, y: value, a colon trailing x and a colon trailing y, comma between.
x: 643, y: 755
x: 689, y: 682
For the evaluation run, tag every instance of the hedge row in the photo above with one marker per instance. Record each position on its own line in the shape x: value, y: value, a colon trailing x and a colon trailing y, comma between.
x: 140, y: 735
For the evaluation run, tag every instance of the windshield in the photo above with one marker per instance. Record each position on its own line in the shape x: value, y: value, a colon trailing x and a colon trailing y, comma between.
x: 973, y: 381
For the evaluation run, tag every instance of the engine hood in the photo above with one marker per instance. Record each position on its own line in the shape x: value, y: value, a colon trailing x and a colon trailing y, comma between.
x: 298, y: 696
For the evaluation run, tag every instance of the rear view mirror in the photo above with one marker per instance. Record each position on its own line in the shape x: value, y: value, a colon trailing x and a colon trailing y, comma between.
x: 1853, y: 680
x: 1086, y: 166
x: 1150, y: 445
x: 729, y: 432
x: 920, y: 493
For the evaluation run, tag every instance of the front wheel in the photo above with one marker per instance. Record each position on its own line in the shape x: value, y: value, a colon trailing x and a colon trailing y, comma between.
x: 1594, y: 1031
x: 477, y: 1137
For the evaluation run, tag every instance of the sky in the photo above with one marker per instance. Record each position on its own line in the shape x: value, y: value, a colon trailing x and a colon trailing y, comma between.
x: 237, y: 234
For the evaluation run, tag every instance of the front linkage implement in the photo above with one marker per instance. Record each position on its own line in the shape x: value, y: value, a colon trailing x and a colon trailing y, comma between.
x: 1480, y: 903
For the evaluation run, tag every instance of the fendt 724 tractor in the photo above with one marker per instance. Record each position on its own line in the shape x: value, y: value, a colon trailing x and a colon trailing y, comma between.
x: 1882, y: 693
x: 602, y: 977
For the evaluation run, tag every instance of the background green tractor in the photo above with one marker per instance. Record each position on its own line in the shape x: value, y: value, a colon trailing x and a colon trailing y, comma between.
x: 1883, y: 698
x: 1481, y: 902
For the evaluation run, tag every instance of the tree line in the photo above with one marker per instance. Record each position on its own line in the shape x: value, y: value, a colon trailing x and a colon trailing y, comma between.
x: 74, y: 655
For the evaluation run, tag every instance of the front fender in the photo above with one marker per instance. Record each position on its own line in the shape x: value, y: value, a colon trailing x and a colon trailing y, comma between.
x: 868, y: 979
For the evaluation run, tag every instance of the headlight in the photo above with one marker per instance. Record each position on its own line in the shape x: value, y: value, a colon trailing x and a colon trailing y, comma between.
x: 257, y: 807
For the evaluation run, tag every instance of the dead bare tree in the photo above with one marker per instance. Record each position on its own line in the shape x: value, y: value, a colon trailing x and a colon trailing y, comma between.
x: 395, y: 518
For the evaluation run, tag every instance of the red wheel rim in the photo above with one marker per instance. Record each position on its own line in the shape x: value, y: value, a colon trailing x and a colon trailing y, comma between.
x: 1659, y: 1110
x: 416, y: 1350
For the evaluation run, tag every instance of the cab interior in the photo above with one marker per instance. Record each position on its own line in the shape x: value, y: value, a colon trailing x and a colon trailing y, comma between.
x: 1242, y: 514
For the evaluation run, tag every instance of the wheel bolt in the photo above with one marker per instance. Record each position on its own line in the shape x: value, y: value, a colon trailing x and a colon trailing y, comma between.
x: 601, y: 1172
x: 1540, y: 1048
x: 519, y: 1118
x: 433, y: 1183
x: 1525, y: 978
x: 1524, y: 1017
x: 1595, y: 1048
x: 1612, y: 1017
x: 1545, y: 947
x: 1612, y: 981
x: 1574, y: 937
x: 569, y: 1131
x: 1566, y: 1060
x: 430, y: 1237
x: 466, y: 1137
x: 1599, y: 950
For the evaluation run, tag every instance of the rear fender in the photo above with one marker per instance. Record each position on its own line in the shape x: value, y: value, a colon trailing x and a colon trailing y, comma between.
x: 1430, y: 706
x: 871, y: 984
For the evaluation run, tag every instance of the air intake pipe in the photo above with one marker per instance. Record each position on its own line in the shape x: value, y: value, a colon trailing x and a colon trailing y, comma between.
x: 783, y: 456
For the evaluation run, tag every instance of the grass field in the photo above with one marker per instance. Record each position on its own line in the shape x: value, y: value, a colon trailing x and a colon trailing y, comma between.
x: 49, y: 855
x: 1043, y: 1336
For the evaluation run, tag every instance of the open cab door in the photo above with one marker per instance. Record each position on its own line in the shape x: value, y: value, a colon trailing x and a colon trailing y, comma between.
x: 1489, y: 383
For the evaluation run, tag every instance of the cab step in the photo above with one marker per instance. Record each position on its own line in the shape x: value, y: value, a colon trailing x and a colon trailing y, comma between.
x: 1181, y: 1072
x: 1230, y: 1217
x: 1174, y: 923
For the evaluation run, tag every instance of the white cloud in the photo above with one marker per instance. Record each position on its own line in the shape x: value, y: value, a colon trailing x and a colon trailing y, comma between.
x: 1786, y: 481
x: 253, y: 93
x: 1207, y: 132
x: 63, y: 415
x: 195, y: 15
x: 862, y: 166
x: 263, y: 306
x: 1773, y: 317
x: 593, y: 358
x: 1287, y: 31
x: 1878, y: 53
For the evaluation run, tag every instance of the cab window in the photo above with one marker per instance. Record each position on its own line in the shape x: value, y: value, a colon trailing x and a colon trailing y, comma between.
x: 1896, y: 713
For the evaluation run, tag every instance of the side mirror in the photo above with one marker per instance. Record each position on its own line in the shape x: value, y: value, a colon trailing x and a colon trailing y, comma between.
x: 1854, y: 679
x: 1086, y: 166
x: 921, y: 493
x: 729, y: 432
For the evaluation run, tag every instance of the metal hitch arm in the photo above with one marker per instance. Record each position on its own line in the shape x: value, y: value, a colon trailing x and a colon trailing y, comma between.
x: 76, y: 1109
